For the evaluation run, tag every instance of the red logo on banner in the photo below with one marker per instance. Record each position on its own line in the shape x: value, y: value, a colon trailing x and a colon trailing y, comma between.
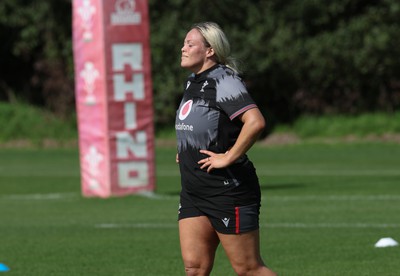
x: 125, y: 13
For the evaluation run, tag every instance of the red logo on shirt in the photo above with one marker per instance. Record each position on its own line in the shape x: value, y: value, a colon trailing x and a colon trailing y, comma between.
x: 185, y: 110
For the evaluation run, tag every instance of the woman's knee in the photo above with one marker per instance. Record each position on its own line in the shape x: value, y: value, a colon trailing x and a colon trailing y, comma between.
x: 243, y: 269
x: 197, y: 267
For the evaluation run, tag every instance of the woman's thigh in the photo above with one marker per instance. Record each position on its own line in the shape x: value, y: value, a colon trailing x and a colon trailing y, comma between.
x: 242, y: 248
x: 198, y: 241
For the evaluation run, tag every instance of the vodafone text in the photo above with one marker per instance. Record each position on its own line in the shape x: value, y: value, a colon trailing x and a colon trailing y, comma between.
x: 182, y: 126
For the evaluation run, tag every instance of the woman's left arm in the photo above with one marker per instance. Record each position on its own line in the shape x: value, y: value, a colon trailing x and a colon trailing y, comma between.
x: 253, y: 125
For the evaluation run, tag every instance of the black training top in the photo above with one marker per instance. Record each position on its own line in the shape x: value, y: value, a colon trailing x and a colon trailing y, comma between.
x: 207, y: 119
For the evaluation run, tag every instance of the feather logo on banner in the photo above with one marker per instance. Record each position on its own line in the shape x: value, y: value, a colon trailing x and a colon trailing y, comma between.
x: 86, y: 12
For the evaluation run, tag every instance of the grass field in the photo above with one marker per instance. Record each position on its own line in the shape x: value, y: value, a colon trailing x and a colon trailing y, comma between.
x: 324, y: 208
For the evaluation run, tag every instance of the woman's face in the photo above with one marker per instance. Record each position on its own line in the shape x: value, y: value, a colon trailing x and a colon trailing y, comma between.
x: 194, y: 52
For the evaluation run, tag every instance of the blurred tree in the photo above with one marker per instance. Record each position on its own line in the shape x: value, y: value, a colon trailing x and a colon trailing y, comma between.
x: 337, y: 57
x: 35, y: 53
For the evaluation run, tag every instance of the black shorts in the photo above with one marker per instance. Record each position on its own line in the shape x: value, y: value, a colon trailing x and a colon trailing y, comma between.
x: 226, y: 214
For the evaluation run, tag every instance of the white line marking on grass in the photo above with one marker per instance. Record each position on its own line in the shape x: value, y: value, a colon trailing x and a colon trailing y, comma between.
x: 333, y: 198
x: 306, y: 172
x: 53, y: 196
x: 153, y: 195
x: 265, y: 225
x: 328, y: 172
x: 69, y: 196
x: 137, y: 225
x: 331, y: 225
x: 266, y: 197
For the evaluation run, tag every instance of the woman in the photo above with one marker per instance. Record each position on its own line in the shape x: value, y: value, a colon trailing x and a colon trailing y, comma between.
x: 216, y: 124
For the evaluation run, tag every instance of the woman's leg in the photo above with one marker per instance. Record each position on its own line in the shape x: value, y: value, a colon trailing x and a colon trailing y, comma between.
x: 243, y: 251
x: 199, y: 242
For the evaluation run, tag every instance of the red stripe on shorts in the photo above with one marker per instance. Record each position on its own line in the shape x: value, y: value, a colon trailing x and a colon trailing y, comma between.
x: 237, y: 230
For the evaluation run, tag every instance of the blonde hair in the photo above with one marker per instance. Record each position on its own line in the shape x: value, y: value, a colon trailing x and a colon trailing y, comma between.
x: 215, y: 38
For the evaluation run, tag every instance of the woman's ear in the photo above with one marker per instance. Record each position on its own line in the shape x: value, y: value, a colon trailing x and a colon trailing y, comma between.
x: 210, y: 52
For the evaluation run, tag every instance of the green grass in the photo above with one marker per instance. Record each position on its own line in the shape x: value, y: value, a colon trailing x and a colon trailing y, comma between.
x: 343, y: 125
x: 323, y: 209
x: 37, y: 127
x: 20, y: 121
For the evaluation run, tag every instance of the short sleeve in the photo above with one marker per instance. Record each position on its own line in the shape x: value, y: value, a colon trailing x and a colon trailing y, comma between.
x: 232, y: 96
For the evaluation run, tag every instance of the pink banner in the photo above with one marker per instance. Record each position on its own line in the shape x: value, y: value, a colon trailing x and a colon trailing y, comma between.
x: 114, y: 96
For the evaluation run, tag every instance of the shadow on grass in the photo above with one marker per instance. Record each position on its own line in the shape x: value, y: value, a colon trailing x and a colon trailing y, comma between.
x: 283, y: 186
x: 171, y: 193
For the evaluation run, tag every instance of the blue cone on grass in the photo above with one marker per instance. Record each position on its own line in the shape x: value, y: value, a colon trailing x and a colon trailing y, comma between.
x: 3, y: 268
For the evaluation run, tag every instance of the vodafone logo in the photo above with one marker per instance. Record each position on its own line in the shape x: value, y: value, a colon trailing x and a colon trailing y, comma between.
x: 185, y: 110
